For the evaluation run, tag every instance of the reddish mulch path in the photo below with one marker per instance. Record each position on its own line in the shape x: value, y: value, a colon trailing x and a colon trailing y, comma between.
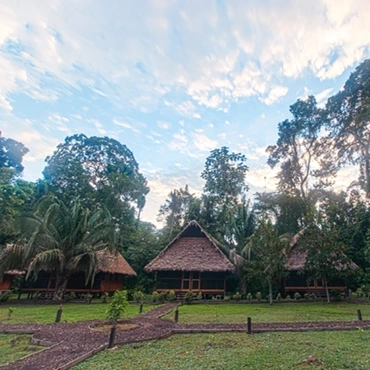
x: 73, y: 340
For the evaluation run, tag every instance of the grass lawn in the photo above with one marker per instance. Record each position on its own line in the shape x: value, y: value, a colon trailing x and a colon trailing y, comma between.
x: 14, y: 347
x: 336, y: 350
x: 45, y: 313
x: 280, y: 312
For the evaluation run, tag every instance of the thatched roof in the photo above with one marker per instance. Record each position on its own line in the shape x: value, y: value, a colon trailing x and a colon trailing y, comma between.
x: 192, y: 250
x: 114, y: 263
x: 14, y: 272
x: 296, y: 257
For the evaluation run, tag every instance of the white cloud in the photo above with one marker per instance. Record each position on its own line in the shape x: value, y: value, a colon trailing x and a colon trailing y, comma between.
x: 275, y: 94
x: 163, y: 125
x: 126, y: 125
x: 203, y: 143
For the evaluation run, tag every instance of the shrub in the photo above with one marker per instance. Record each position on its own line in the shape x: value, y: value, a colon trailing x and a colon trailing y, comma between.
x: 88, y: 298
x: 359, y: 293
x: 189, y: 296
x: 171, y: 296
x: 104, y: 297
x: 138, y: 296
x: 162, y: 297
x: 287, y: 297
x: 237, y: 296
x: 297, y: 296
x: 69, y: 296
x: 306, y: 296
x: 278, y: 297
x: 226, y: 298
x: 258, y: 296
x: 117, y: 307
x: 199, y: 296
x: 336, y: 295
x: 155, y: 296
x: 249, y: 296
x: 354, y: 295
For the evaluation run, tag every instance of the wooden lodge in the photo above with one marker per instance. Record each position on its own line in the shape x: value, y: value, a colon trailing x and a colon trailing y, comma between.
x: 192, y: 261
x: 111, y: 272
x: 298, y: 282
x: 7, y: 279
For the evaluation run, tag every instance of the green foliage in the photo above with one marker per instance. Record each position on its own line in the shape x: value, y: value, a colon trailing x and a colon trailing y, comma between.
x: 162, y: 298
x: 10, y: 312
x: 226, y: 298
x: 171, y: 296
x: 297, y: 296
x: 4, y: 296
x: 104, y: 297
x: 237, y: 296
x: 278, y: 297
x: 118, y: 306
x: 138, y: 296
x: 11, y: 154
x: 287, y: 297
x: 249, y: 296
x: 69, y: 296
x: 258, y: 296
x: 155, y: 297
x: 189, y: 296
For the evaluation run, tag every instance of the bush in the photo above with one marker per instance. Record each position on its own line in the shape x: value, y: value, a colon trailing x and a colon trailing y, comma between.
x: 189, y: 296
x: 249, y: 296
x: 138, y: 296
x: 359, y: 293
x: 162, y: 297
x: 278, y: 297
x: 287, y: 297
x: 10, y: 312
x: 237, y: 296
x: 226, y: 298
x: 117, y: 307
x: 88, y: 298
x: 199, y: 296
x: 297, y: 296
x: 155, y: 297
x: 171, y: 296
x: 258, y: 296
x: 354, y: 295
x: 104, y: 297
x: 306, y: 296
x: 336, y: 295
x: 69, y: 297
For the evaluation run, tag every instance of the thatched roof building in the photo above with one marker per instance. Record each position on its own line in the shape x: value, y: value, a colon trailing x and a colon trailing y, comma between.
x: 114, y: 263
x: 191, y: 250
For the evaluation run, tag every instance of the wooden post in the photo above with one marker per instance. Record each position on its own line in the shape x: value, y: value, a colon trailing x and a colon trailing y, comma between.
x: 59, y: 314
x: 359, y: 315
x: 177, y: 314
x: 141, y: 307
x: 112, y: 336
x: 249, y: 326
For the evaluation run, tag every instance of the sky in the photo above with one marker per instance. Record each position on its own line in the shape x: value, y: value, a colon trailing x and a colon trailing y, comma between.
x: 172, y: 80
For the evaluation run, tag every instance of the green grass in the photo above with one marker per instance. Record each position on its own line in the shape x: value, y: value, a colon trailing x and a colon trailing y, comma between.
x: 281, y: 312
x: 337, y: 350
x: 14, y: 347
x: 72, y: 312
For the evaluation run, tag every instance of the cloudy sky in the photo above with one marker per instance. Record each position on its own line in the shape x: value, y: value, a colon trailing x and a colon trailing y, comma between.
x: 171, y: 79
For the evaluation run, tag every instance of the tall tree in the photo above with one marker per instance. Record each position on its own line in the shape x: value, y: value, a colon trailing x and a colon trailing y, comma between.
x: 269, y: 251
x: 298, y: 147
x: 349, y: 123
x: 11, y: 154
x: 224, y: 189
x: 61, y: 240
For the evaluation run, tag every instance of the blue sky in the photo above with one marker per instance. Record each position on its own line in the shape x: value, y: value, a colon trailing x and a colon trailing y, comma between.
x: 171, y: 79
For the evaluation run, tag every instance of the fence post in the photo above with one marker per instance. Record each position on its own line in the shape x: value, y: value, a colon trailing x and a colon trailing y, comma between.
x: 141, y: 307
x: 249, y: 326
x: 359, y: 315
x: 177, y: 314
x: 112, y: 336
x: 59, y: 314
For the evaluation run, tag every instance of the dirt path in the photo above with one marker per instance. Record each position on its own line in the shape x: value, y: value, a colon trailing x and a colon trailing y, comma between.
x: 68, y: 342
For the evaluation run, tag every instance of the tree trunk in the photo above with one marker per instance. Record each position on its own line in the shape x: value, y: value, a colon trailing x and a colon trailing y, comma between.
x: 60, y: 286
x: 327, y: 290
x: 270, y: 290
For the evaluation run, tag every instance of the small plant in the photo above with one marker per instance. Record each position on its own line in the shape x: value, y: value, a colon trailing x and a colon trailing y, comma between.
x: 155, y: 296
x: 226, y: 298
x: 249, y: 297
x: 307, y: 296
x: 104, y: 297
x: 258, y: 296
x: 278, y: 297
x: 354, y: 295
x: 297, y: 296
x: 117, y: 307
x: 138, y: 296
x: 360, y: 293
x: 88, y: 298
x: 237, y: 296
x: 70, y: 296
x: 189, y: 296
x: 199, y: 296
x: 162, y: 298
x: 10, y: 312
x: 287, y: 297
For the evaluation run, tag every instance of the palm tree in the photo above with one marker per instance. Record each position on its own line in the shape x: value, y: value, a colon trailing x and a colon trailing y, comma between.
x: 60, y: 240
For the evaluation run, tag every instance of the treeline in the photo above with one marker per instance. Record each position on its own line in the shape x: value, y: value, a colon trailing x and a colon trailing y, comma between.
x: 312, y: 146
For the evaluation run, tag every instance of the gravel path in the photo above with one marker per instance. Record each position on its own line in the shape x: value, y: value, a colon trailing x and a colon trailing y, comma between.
x: 70, y: 341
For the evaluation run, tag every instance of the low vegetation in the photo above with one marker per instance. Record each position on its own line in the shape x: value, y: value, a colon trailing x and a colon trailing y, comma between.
x: 14, y: 347
x: 282, y: 312
x: 72, y: 312
x: 315, y: 350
